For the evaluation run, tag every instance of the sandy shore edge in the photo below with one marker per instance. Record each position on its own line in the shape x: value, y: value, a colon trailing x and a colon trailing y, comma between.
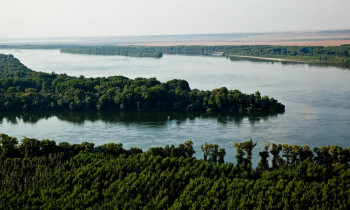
x: 238, y: 43
x: 274, y: 59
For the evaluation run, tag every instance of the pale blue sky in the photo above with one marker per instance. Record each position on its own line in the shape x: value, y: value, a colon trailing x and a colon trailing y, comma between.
x: 57, y: 18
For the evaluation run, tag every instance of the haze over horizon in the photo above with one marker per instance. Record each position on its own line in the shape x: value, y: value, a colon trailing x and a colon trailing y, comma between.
x: 86, y: 18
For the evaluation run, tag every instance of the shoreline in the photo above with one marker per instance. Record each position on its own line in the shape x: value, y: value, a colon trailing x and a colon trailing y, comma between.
x: 337, y: 42
x: 274, y: 59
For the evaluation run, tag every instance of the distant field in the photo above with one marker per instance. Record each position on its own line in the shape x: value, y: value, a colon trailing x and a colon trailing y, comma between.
x: 280, y: 43
x: 301, y: 38
x: 296, y: 38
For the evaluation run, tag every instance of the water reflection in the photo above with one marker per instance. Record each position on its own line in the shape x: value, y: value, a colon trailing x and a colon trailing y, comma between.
x: 159, y: 118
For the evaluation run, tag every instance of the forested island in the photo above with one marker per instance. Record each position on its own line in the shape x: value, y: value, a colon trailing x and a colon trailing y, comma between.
x: 134, y: 51
x: 42, y: 174
x: 24, y: 89
x: 336, y: 55
x: 333, y: 55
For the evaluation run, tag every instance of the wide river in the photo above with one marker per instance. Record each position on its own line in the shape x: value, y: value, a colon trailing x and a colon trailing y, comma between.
x: 317, y: 100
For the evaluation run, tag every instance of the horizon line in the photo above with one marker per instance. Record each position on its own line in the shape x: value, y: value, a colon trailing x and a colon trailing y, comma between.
x: 195, y: 34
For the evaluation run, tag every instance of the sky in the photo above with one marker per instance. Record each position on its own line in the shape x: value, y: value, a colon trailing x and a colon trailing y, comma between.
x: 70, y: 18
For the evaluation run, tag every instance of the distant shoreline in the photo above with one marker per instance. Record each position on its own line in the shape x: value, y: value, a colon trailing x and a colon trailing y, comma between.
x: 237, y: 43
x: 287, y: 38
x: 274, y: 59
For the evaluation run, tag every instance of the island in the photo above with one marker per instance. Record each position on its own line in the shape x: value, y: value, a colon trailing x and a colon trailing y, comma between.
x: 333, y: 55
x: 330, y: 55
x: 25, y: 89
x: 134, y: 51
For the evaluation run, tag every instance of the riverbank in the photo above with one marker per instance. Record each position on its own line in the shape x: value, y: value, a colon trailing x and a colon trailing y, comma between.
x: 275, y: 59
x: 253, y: 43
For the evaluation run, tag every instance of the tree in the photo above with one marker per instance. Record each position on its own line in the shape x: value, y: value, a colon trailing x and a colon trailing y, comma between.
x: 211, y: 153
x: 221, y: 155
x: 110, y: 149
x: 306, y: 153
x: 9, y: 147
x: 189, y: 148
x: 277, y: 161
x: 287, y: 153
x: 263, y: 164
x: 240, y: 154
x: 30, y: 147
x: 156, y: 151
x: 248, y: 147
x: 48, y: 147
x: 135, y: 151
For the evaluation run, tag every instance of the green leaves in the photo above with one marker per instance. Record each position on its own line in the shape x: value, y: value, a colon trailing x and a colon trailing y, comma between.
x: 98, y: 182
x: 108, y: 176
x: 134, y: 51
x: 24, y: 89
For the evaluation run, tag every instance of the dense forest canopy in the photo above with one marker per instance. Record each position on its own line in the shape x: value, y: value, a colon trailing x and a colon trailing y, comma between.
x: 134, y: 51
x: 42, y: 174
x: 24, y: 89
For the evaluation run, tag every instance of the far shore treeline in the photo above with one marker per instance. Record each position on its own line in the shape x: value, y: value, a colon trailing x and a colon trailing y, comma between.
x: 24, y: 89
x: 336, y: 55
x: 133, y: 51
x: 333, y: 55
x: 39, y: 174
x: 281, y: 154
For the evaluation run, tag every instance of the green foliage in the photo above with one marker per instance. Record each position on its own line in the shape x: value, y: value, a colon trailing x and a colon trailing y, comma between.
x: 8, y: 147
x: 110, y: 149
x: 135, y: 51
x: 336, y: 55
x: 30, y: 147
x: 244, y: 153
x: 24, y: 89
x: 183, y: 150
x: 108, y: 176
x: 212, y: 153
x: 277, y: 161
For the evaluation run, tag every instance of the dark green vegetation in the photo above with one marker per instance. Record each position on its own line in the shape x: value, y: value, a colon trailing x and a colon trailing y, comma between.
x: 41, y: 174
x: 134, y: 51
x: 336, y: 55
x: 24, y: 89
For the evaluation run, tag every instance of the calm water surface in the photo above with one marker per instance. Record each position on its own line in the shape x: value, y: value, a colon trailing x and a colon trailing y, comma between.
x: 317, y: 103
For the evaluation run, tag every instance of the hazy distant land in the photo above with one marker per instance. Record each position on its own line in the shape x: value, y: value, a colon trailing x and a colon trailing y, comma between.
x: 299, y: 38
x: 237, y: 43
x: 328, y: 46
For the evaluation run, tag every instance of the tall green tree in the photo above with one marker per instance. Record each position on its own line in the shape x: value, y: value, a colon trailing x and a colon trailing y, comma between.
x: 9, y: 147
